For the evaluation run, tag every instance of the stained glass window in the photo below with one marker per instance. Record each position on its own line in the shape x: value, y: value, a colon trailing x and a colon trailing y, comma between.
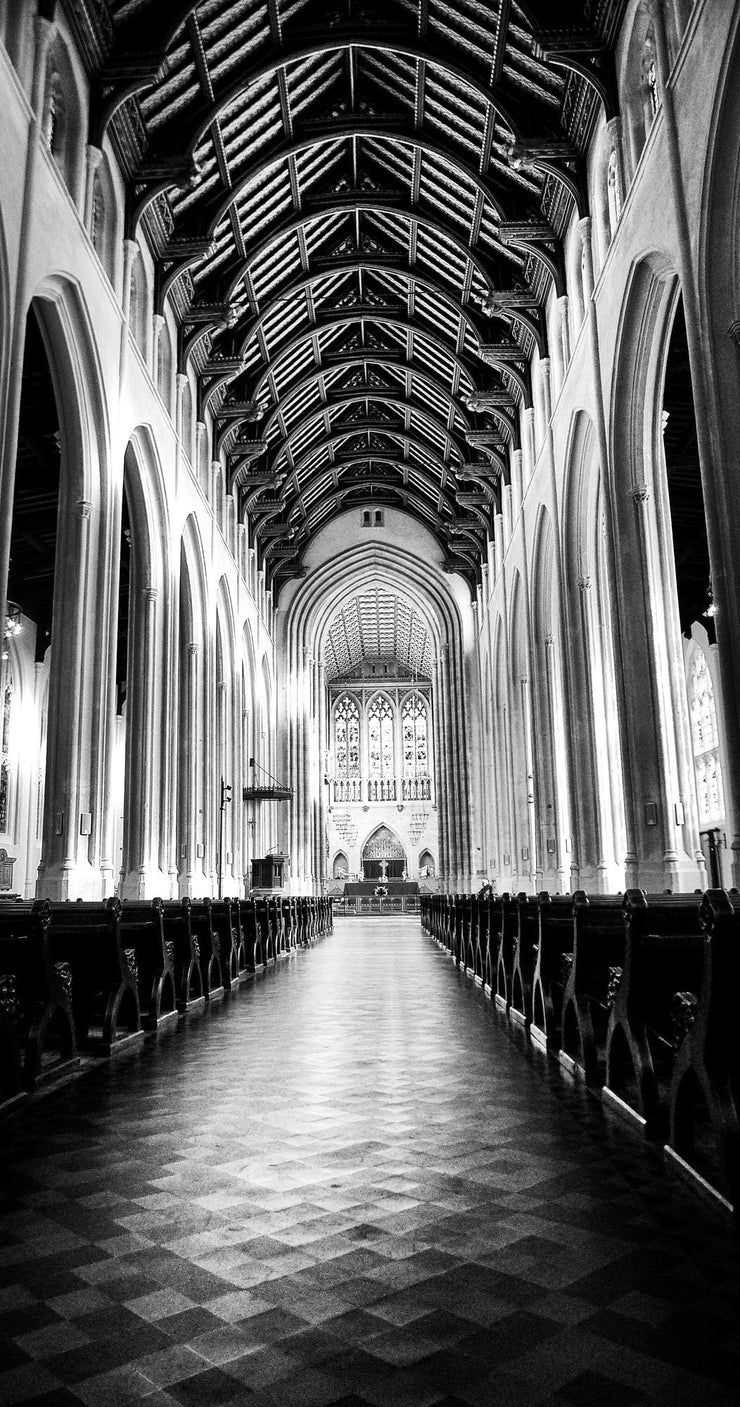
x: 5, y: 757
x: 347, y: 738
x: 380, y: 739
x: 415, y: 743
x: 705, y: 739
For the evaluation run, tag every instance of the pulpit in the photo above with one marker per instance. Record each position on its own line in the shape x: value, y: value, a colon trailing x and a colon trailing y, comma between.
x: 6, y: 873
x: 269, y: 872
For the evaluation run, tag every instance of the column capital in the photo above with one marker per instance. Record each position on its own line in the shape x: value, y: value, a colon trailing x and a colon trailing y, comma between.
x: 584, y: 230
x: 93, y: 156
x: 584, y: 583
x: 733, y: 331
x: 150, y: 594
x: 192, y: 648
x: 84, y: 508
x: 641, y: 494
x: 44, y: 31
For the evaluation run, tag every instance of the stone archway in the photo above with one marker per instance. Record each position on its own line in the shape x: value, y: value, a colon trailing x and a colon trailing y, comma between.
x: 383, y: 856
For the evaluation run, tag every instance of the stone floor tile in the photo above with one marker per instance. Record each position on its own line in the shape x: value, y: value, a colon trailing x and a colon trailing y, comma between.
x: 398, y: 1205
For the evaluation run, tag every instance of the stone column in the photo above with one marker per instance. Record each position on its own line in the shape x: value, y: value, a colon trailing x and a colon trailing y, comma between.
x: 158, y: 323
x: 170, y: 859
x: 630, y: 766
x: 564, y: 319
x: 679, y: 871
x: 189, y: 771
x: 594, y: 814
x: 529, y: 445
x: 140, y: 858
x: 517, y: 483
x: 440, y: 779
x: 44, y: 32
x: 130, y: 251
x: 93, y: 158
x: 532, y: 864
x: 59, y: 871
x: 560, y: 821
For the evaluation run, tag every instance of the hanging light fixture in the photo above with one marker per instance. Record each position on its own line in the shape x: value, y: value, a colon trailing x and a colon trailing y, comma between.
x: 711, y: 607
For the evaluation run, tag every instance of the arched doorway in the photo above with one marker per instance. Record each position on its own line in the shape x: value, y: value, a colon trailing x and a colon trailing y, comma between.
x: 383, y: 856
x: 340, y: 867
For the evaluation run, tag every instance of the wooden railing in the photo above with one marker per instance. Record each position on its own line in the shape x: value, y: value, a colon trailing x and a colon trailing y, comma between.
x: 634, y: 994
x: 363, y: 904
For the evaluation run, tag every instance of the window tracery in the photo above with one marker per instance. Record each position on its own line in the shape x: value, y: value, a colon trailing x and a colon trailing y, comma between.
x: 381, y: 770
x: 347, y: 750
x: 5, y: 757
x: 705, y: 739
x: 381, y: 746
x: 415, y: 740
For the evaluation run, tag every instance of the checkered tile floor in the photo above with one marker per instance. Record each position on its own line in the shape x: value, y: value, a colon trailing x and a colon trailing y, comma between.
x: 348, y: 1186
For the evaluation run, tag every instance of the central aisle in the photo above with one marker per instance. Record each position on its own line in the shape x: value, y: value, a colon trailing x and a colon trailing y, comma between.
x: 347, y: 1187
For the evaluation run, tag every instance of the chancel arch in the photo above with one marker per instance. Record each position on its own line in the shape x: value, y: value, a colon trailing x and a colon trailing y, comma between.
x: 375, y: 627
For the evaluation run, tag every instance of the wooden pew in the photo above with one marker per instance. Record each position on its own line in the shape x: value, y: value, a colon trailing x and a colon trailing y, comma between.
x: 190, y: 987
x: 142, y: 928
x: 704, y: 1139
x: 506, y: 918
x: 490, y: 927
x: 552, y: 967
x: 290, y: 922
x: 265, y: 929
x: 12, y: 1091
x: 596, y: 963
x: 206, y: 938
x: 224, y: 918
x: 105, y: 997
x: 663, y: 955
x: 251, y: 933
x: 524, y: 958
x: 476, y: 960
x: 38, y: 995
